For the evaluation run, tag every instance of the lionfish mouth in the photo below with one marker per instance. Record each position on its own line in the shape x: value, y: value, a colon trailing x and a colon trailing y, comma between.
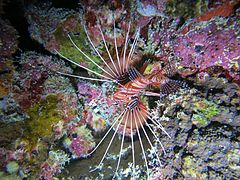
x: 131, y: 84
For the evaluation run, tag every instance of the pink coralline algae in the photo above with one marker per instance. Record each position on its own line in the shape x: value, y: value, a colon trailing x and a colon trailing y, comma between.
x: 53, y: 165
x: 99, y: 107
x: 77, y: 147
x: 29, y: 80
x: 79, y: 141
x: 87, y: 92
x: 208, y: 44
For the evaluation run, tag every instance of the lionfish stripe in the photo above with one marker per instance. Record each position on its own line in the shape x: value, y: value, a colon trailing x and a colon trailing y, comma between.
x: 144, y: 120
x: 99, y: 55
x: 141, y: 144
x: 140, y: 83
x: 132, y: 73
x: 105, y: 44
x: 110, y: 143
x: 133, y: 103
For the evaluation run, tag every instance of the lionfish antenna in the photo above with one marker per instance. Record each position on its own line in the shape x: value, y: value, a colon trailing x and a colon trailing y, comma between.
x: 154, y: 134
x: 157, y: 124
x: 106, y: 134
x: 133, y: 153
x: 120, y: 153
x: 139, y: 120
x: 148, y: 93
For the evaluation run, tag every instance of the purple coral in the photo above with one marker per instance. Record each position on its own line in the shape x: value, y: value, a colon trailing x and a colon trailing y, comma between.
x: 78, y: 147
x: 214, y: 43
x: 79, y: 141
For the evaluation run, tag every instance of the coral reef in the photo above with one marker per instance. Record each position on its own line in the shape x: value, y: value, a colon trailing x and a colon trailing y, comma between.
x: 60, y: 23
x: 42, y: 117
x: 203, y: 144
x: 43, y: 21
x: 54, y: 164
x: 203, y: 112
x: 212, y: 156
x: 211, y: 44
x: 79, y: 141
x: 8, y: 38
x: 36, y: 107
x: 99, y: 109
x: 49, y: 123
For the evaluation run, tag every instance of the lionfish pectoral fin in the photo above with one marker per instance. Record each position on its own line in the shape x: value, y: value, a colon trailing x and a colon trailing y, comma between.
x: 169, y: 86
x: 170, y: 70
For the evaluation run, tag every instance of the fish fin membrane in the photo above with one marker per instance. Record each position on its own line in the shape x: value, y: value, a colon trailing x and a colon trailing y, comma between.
x: 170, y: 86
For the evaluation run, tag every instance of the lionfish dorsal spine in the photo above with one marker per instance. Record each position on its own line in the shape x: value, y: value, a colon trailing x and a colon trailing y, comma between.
x: 112, y: 74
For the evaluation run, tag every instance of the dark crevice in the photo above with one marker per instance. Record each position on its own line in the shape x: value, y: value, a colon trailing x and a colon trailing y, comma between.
x: 14, y: 12
x: 69, y: 4
x: 214, y: 170
x: 214, y: 126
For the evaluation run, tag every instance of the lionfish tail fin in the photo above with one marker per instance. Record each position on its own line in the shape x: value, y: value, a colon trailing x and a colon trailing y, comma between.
x: 170, y: 86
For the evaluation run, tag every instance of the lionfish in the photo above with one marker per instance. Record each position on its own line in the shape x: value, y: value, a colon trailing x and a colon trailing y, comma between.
x: 131, y: 85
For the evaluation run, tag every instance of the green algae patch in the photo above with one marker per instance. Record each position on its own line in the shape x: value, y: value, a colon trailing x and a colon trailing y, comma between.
x: 233, y: 159
x: 42, y: 117
x: 190, y: 170
x: 186, y: 8
x: 73, y: 27
x: 204, y: 111
x: 6, y: 176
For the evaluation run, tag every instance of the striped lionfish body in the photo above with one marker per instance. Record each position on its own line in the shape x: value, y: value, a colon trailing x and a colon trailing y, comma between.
x: 131, y: 86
